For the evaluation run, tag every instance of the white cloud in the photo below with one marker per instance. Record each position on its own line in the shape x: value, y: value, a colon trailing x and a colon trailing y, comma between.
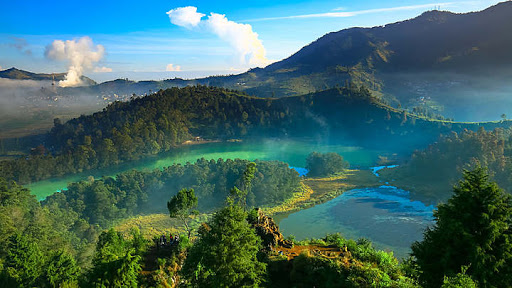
x: 1, y: 68
x: 355, y: 13
x: 102, y: 69
x: 81, y: 54
x: 249, y: 49
x: 172, y: 68
x: 185, y: 16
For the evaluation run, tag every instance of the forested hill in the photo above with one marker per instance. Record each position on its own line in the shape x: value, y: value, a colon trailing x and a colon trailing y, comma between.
x: 126, y: 131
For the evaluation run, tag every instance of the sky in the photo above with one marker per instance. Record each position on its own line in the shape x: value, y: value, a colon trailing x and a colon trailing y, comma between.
x: 143, y: 40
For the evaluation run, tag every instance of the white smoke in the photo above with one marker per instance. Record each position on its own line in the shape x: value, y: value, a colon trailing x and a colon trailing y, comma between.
x: 249, y: 48
x: 81, y: 54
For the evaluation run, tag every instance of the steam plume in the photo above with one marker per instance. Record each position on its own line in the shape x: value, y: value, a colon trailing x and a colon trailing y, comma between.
x: 81, y: 54
x: 249, y: 48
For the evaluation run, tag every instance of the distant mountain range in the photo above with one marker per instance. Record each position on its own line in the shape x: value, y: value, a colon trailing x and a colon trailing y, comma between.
x: 446, y: 63
x: 17, y: 74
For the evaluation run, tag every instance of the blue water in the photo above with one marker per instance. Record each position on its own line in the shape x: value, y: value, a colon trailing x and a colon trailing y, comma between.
x: 386, y: 215
x: 376, y: 169
x: 301, y: 171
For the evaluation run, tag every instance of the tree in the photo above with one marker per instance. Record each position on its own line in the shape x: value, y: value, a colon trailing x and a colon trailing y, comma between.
x: 461, y: 280
x: 240, y: 196
x: 325, y: 164
x: 24, y: 262
x: 472, y: 229
x: 61, y: 268
x: 225, y: 253
x: 181, y: 206
x: 115, y: 264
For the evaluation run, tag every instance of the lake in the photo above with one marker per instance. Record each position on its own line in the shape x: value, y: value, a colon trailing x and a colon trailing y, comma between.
x: 386, y: 215
x: 293, y: 152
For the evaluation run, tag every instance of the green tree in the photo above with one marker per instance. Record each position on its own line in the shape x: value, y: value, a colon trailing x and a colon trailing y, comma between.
x: 24, y: 262
x: 61, y: 269
x: 115, y: 264
x: 225, y: 253
x: 240, y: 196
x: 325, y: 164
x: 461, y: 280
x: 472, y: 229
x: 182, y: 205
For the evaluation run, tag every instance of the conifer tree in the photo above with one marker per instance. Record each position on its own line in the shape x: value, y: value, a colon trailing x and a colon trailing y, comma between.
x: 472, y: 229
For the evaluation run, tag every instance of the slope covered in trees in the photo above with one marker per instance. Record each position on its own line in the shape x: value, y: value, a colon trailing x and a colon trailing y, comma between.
x: 157, y: 123
x: 430, y: 173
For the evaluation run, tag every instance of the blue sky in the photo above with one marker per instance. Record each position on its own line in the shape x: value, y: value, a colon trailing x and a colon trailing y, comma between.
x: 140, y: 41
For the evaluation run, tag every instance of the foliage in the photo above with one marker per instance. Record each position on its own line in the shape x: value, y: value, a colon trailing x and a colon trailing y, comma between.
x: 62, y: 269
x: 461, y: 280
x: 225, y: 253
x: 430, y: 172
x: 24, y: 262
x: 359, y: 265
x: 181, y: 206
x: 325, y: 164
x: 472, y: 229
x: 105, y: 200
x: 115, y: 262
x: 160, y: 122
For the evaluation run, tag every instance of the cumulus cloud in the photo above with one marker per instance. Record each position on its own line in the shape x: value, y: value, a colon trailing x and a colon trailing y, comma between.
x: 102, y: 69
x: 246, y: 43
x: 185, y: 16
x: 81, y: 54
x: 1, y: 68
x: 173, y: 68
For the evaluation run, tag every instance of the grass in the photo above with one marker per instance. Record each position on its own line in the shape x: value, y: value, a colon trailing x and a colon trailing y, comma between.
x: 157, y: 224
x: 315, y: 191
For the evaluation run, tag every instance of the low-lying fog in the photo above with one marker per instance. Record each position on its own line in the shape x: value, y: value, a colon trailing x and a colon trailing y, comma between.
x: 463, y: 97
x: 28, y: 106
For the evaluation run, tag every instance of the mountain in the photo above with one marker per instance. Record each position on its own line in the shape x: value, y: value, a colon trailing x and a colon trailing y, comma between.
x: 17, y: 74
x: 456, y: 65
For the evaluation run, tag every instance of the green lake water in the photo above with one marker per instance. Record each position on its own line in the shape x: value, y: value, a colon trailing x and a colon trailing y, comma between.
x: 290, y: 151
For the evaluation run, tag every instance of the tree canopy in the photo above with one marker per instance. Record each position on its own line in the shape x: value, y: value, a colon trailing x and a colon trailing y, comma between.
x: 181, y: 206
x: 225, y: 255
x: 472, y: 229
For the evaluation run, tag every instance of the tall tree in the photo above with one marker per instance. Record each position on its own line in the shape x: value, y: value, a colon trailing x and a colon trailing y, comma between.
x: 472, y: 229
x: 225, y: 254
x: 182, y: 205
x: 115, y: 264
x: 61, y: 269
x: 23, y: 264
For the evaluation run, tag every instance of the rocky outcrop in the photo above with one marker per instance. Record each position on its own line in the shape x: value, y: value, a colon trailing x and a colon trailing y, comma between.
x: 269, y: 232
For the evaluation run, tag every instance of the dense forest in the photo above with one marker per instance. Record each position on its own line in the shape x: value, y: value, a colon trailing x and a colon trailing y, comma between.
x: 41, y: 246
x: 430, y: 173
x: 103, y: 201
x: 159, y: 122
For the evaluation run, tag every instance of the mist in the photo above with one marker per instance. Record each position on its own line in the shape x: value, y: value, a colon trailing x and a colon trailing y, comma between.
x: 29, y: 107
x: 470, y: 98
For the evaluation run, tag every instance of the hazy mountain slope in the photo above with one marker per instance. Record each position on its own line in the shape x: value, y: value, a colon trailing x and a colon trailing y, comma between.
x: 17, y: 74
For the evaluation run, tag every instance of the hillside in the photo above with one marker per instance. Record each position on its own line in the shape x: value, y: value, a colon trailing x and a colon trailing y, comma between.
x: 157, y: 123
x: 17, y: 74
x: 456, y: 65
